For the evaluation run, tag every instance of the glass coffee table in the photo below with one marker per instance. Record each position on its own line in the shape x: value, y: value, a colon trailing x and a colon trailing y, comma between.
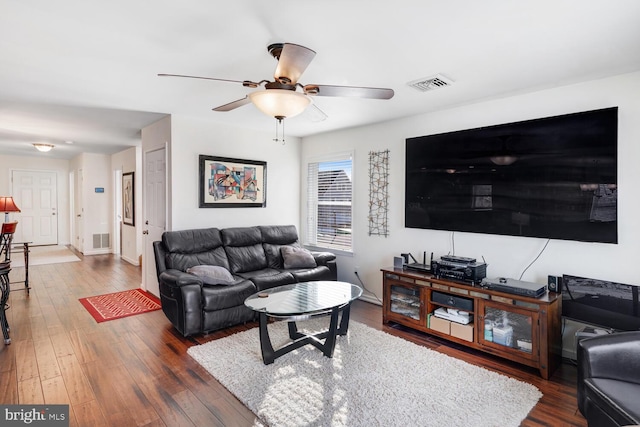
x: 301, y: 301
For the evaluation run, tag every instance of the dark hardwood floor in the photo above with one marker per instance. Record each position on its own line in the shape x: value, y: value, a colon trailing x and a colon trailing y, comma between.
x: 136, y: 372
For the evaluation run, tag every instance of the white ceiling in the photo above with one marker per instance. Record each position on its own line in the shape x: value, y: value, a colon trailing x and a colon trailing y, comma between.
x: 86, y: 72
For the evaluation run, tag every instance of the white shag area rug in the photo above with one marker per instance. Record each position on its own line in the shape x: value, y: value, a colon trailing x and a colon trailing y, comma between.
x: 373, y: 379
x: 40, y: 255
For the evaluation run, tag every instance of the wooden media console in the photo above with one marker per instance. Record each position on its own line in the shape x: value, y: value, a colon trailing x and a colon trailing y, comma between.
x: 522, y: 329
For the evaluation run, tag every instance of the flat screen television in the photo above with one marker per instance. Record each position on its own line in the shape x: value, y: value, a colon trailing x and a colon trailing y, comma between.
x: 601, y: 303
x: 552, y: 177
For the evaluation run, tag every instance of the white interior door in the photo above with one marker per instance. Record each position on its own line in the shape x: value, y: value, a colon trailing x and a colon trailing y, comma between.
x: 35, y: 193
x: 117, y: 202
x: 72, y: 208
x: 155, y: 213
x: 78, y: 239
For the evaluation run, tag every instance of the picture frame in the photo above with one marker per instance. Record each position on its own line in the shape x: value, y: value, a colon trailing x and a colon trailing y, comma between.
x: 232, y: 183
x: 128, y: 199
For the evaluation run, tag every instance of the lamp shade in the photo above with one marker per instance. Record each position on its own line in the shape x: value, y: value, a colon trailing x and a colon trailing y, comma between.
x: 8, y: 205
x: 280, y: 103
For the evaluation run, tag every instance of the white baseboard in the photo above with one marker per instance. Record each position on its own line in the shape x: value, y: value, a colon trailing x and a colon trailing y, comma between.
x: 130, y: 261
x: 369, y: 298
x: 97, y: 251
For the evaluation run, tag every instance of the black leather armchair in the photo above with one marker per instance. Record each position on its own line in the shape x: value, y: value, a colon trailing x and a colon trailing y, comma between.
x: 609, y: 379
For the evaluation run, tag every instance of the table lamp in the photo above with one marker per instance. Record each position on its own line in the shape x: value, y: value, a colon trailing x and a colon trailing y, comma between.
x: 7, y: 205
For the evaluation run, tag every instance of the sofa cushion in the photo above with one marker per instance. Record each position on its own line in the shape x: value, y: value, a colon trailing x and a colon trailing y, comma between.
x: 246, y: 258
x: 243, y: 246
x: 293, y: 257
x: 268, y: 278
x: 241, y: 236
x: 212, y: 274
x: 273, y: 238
x: 266, y: 282
x: 279, y: 234
x: 188, y: 248
x: 192, y: 241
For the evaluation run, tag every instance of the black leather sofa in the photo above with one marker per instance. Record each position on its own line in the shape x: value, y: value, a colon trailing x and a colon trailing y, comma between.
x: 253, y: 256
x: 609, y: 379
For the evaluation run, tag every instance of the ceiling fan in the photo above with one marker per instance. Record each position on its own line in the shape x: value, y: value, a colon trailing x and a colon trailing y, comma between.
x: 280, y: 98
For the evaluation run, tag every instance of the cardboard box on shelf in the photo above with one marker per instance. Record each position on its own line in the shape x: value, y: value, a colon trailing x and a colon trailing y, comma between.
x: 464, y: 332
x: 440, y: 325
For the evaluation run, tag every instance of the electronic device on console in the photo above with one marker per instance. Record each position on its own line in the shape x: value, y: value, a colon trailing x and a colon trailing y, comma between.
x: 459, y: 259
x: 517, y: 287
x: 459, y: 268
x: 454, y: 315
x: 424, y: 267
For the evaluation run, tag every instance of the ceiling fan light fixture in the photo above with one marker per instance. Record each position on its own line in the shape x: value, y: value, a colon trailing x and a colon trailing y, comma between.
x: 280, y: 103
x: 43, y: 147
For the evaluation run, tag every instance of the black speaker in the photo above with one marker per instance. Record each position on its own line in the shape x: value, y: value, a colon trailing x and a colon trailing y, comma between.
x: 554, y: 283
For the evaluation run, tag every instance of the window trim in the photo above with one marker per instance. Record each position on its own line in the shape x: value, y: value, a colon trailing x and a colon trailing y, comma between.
x: 338, y: 156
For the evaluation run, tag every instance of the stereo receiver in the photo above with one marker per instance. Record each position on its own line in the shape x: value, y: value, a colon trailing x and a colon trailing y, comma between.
x: 470, y: 272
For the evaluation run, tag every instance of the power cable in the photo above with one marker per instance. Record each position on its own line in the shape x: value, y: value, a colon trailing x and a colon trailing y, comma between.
x: 365, y: 288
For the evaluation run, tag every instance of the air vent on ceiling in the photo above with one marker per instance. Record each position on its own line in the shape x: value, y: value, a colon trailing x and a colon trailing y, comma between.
x: 430, y: 83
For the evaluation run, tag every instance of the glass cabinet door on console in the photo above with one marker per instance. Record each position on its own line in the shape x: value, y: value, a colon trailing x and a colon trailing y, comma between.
x: 510, y: 329
x: 405, y: 302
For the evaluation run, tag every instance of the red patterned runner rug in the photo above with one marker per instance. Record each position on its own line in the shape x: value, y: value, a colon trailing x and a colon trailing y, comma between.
x: 120, y: 304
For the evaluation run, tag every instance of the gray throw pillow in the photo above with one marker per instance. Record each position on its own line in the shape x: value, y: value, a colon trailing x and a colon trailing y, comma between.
x: 212, y: 274
x: 297, y: 257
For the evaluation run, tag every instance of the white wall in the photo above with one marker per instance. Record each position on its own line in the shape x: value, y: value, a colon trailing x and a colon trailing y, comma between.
x: 191, y: 137
x: 97, y: 207
x: 60, y: 167
x: 506, y: 256
x: 126, y: 161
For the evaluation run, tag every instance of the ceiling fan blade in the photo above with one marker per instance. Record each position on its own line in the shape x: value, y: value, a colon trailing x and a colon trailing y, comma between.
x: 292, y: 62
x: 349, y: 91
x: 233, y: 105
x: 246, y: 83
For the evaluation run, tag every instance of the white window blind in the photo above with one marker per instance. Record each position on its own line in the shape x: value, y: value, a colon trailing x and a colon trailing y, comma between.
x: 329, y: 197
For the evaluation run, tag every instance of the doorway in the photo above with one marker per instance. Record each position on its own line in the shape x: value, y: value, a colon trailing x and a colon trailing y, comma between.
x: 155, y: 213
x: 117, y: 203
x: 36, y: 194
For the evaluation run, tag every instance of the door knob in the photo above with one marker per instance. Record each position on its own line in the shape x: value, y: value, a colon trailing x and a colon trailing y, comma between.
x: 145, y: 232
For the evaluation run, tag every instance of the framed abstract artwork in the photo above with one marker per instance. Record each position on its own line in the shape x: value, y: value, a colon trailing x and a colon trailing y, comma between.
x: 232, y: 183
x: 128, y: 201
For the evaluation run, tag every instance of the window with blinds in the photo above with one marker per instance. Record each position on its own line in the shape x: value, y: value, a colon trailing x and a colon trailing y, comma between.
x: 329, y: 210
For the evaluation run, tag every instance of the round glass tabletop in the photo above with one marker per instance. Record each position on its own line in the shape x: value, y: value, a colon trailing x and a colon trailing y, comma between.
x: 305, y: 298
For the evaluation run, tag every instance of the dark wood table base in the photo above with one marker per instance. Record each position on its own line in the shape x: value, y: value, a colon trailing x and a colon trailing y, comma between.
x: 301, y: 339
